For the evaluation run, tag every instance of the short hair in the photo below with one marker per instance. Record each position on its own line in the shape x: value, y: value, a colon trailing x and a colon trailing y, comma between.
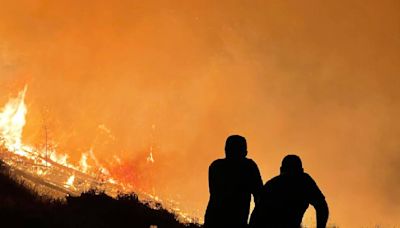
x: 291, y: 164
x: 236, y: 147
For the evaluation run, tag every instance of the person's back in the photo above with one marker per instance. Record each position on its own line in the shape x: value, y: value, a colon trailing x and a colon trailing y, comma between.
x: 285, y: 198
x: 231, y: 182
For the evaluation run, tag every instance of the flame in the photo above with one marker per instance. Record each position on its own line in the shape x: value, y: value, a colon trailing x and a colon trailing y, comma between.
x: 70, y: 182
x: 12, y: 122
x: 53, y: 167
x: 61, y: 159
x: 150, y: 158
x: 83, y: 163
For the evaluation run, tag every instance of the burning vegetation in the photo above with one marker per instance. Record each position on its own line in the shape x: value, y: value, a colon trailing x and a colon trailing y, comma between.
x: 51, y: 175
x: 22, y: 207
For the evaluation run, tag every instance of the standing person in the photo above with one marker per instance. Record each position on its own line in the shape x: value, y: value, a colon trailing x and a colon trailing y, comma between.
x: 232, y: 181
x: 285, y: 198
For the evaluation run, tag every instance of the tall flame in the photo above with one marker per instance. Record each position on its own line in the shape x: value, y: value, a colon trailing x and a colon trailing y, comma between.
x: 12, y: 122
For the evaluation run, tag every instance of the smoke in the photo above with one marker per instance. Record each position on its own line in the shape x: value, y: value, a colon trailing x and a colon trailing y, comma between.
x: 311, y: 78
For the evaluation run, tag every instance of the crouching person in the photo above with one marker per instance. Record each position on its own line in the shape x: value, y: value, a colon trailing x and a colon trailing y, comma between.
x: 285, y: 198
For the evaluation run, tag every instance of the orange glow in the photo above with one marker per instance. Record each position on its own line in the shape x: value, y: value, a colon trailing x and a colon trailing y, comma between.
x: 116, y: 85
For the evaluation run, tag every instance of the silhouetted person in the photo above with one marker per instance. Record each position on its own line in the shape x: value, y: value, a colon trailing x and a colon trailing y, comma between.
x: 285, y: 198
x: 232, y: 181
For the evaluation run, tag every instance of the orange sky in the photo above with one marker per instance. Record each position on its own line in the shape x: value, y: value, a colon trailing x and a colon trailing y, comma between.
x: 315, y: 78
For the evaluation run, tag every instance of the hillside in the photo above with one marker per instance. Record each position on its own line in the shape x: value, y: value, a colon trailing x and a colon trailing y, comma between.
x: 22, y: 207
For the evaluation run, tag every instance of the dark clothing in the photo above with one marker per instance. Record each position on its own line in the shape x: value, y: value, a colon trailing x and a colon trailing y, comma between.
x: 284, y: 200
x: 231, y: 183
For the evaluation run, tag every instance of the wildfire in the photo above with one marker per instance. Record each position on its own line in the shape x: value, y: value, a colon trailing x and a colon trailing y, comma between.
x: 55, y: 168
x: 52, y: 169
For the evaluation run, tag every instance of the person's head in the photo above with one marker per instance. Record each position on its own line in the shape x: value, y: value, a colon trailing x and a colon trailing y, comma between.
x: 291, y: 164
x: 235, y: 147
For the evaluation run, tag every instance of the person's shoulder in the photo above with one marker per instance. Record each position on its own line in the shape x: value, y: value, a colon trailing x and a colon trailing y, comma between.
x: 315, y: 193
x: 217, y: 162
x: 273, y: 180
x: 308, y: 179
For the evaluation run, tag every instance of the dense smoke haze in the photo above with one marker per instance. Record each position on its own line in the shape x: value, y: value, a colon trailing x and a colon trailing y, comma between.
x: 122, y: 78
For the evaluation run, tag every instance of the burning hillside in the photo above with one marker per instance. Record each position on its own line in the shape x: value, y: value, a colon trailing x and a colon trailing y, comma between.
x: 50, y: 173
x: 22, y: 207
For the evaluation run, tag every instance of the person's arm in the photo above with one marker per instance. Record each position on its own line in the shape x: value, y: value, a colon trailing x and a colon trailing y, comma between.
x: 317, y: 199
x: 322, y: 211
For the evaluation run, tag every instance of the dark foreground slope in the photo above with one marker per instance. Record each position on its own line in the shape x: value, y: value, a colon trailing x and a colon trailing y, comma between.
x: 21, y: 207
